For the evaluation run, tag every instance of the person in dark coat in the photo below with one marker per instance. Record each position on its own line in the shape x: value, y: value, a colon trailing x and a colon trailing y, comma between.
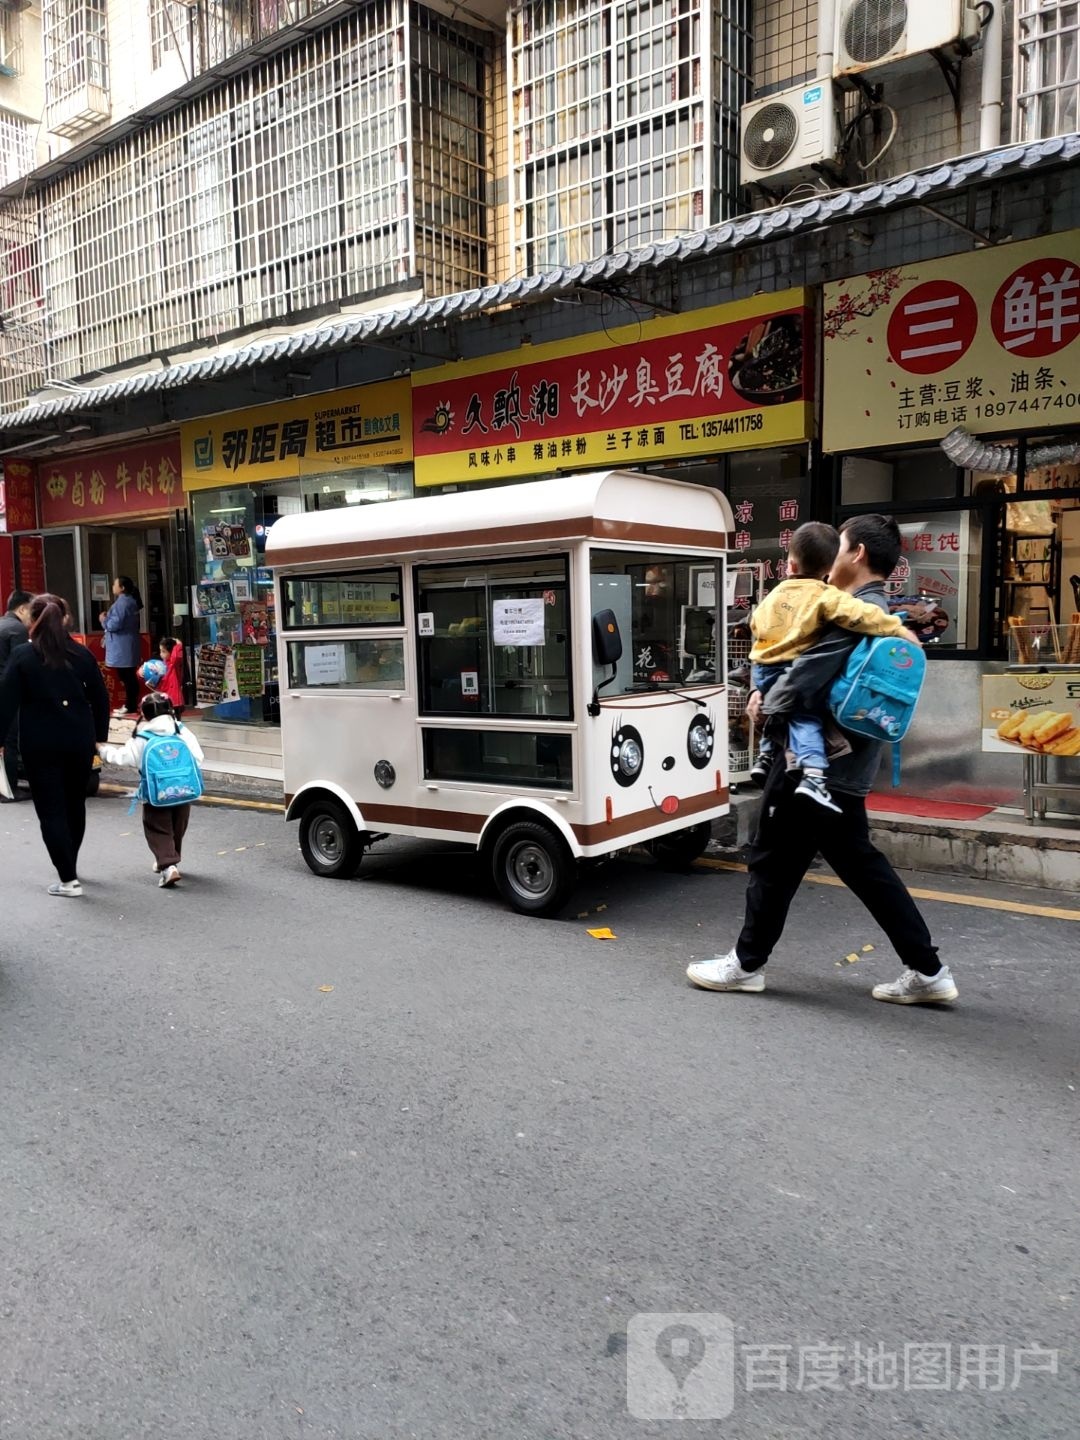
x: 13, y: 632
x: 121, y: 625
x: 56, y: 688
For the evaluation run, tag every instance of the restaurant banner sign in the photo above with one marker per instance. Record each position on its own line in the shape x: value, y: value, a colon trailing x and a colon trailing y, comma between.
x: 18, y: 507
x: 312, y: 435
x: 733, y: 377
x: 989, y: 341
x: 110, y: 484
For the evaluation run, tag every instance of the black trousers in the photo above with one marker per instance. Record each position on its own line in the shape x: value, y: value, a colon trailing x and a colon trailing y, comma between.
x: 11, y: 755
x: 791, y: 832
x: 129, y: 678
x: 58, y: 785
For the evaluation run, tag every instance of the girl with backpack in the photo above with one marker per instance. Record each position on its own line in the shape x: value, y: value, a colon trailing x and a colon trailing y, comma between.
x: 167, y: 756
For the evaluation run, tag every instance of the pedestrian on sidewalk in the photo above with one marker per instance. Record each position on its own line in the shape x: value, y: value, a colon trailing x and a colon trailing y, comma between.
x: 163, y: 825
x: 790, y: 835
x: 55, y: 687
x: 121, y: 625
x: 13, y: 632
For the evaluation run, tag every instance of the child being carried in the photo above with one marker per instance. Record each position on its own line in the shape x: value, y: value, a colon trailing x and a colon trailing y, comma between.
x: 791, y: 620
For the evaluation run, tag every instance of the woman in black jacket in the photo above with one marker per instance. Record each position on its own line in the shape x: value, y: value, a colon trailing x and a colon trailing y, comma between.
x: 56, y: 687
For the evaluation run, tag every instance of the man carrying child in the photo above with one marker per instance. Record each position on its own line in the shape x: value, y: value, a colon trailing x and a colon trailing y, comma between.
x: 791, y: 833
x: 792, y: 619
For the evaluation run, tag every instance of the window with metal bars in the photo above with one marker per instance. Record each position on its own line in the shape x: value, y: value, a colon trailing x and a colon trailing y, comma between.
x: 170, y: 30
x: 16, y: 147
x: 624, y: 120
x: 75, y: 48
x: 290, y: 188
x: 1047, y: 89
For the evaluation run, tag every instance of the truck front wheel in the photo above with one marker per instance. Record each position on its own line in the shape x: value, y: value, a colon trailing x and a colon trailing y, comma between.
x: 533, y: 868
x: 329, y: 840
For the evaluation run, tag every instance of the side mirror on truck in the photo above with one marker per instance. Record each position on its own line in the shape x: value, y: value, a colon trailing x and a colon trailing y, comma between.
x: 607, y: 650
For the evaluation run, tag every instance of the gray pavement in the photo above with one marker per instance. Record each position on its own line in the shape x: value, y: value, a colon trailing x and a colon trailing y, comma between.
x: 282, y: 1157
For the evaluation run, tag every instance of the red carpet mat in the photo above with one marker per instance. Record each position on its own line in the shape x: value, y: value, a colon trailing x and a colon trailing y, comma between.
x: 925, y: 809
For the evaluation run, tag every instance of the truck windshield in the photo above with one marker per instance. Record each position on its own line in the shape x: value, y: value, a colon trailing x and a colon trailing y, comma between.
x: 666, y: 609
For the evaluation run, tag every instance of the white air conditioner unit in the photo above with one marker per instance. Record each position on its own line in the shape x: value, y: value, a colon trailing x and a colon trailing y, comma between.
x: 898, y: 34
x: 785, y: 136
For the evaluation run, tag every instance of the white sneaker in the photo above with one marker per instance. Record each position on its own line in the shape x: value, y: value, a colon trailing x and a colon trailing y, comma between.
x: 812, y: 787
x: 65, y: 887
x: 915, y: 989
x: 723, y: 972
x: 156, y: 868
x: 169, y: 876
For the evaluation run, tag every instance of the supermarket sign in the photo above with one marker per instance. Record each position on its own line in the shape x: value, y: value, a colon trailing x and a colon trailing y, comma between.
x: 989, y: 341
x: 310, y: 435
x: 731, y: 377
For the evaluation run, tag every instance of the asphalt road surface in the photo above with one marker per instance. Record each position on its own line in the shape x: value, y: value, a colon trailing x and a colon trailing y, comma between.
x: 287, y: 1157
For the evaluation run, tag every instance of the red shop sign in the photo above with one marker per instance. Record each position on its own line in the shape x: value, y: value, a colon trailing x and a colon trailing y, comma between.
x: 109, y: 484
x: 20, y: 496
x: 32, y: 564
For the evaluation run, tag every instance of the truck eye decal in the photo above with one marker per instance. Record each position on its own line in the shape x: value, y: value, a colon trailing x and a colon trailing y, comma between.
x: 627, y: 753
x: 700, y: 739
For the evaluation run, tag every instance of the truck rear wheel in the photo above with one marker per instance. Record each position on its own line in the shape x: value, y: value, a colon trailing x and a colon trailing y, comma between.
x: 329, y: 840
x: 677, y: 851
x: 533, y: 868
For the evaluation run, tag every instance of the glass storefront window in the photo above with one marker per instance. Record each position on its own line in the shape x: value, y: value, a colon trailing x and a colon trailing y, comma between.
x: 496, y: 640
x: 365, y: 485
x: 537, y: 759
x: 370, y: 597
x: 666, y: 611
x: 936, y: 583
x: 347, y: 664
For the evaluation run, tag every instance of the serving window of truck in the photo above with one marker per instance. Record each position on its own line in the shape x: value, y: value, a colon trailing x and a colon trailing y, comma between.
x: 542, y: 682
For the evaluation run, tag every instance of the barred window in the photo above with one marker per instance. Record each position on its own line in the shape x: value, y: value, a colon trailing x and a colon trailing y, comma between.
x: 16, y: 147
x: 623, y: 130
x: 75, y: 46
x: 1047, y: 76
x: 170, y: 28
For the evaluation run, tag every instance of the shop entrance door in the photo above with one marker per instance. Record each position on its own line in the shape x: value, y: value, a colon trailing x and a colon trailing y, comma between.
x: 140, y: 552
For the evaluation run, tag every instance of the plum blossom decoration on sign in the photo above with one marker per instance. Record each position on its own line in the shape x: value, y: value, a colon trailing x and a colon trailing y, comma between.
x: 854, y: 305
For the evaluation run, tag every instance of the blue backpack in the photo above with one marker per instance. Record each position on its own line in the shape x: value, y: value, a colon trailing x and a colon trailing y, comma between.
x: 169, y: 773
x: 876, y: 692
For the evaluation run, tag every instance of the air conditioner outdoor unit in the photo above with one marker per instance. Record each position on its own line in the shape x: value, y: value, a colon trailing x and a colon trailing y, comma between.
x: 785, y: 136
x: 898, y: 34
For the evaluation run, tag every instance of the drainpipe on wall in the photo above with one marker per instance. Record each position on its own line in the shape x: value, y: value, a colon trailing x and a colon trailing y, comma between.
x: 826, y: 21
x: 990, y: 86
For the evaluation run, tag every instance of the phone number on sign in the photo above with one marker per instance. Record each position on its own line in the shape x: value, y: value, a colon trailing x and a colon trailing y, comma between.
x: 730, y: 425
x: 995, y: 408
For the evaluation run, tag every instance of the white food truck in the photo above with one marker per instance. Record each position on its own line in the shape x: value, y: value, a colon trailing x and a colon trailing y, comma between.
x: 535, y: 670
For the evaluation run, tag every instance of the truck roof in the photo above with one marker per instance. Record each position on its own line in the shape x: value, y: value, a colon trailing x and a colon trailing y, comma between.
x: 616, y: 505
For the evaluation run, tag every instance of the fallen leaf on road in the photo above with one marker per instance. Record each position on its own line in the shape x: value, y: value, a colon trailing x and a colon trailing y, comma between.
x: 851, y: 959
x: 325, y: 989
x: 604, y: 934
x: 866, y: 949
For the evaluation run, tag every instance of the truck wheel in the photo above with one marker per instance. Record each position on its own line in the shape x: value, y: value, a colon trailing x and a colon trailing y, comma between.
x: 677, y: 851
x: 533, y: 868
x: 330, y: 841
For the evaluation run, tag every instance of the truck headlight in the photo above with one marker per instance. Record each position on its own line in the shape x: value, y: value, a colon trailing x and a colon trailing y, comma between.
x: 699, y: 741
x: 627, y: 754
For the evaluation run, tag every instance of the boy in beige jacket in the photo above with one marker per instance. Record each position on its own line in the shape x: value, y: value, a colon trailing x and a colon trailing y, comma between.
x: 792, y: 619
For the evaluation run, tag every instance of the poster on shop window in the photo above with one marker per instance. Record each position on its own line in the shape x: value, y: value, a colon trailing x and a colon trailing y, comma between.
x: 929, y: 586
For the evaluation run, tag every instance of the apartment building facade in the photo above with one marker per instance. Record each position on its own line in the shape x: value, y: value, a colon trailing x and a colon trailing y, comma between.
x: 262, y: 221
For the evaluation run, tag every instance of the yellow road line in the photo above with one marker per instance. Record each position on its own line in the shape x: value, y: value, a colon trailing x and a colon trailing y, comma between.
x: 978, y: 902
x: 234, y: 802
